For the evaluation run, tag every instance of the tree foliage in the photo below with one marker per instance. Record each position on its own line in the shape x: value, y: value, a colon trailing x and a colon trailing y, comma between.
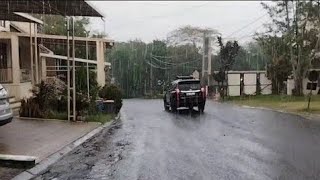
x: 228, y: 53
x: 227, y: 56
x: 190, y: 35
x: 296, y: 23
x: 138, y: 66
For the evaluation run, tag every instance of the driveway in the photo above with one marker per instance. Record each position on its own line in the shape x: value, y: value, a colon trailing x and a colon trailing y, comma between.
x: 39, y: 138
x: 226, y: 142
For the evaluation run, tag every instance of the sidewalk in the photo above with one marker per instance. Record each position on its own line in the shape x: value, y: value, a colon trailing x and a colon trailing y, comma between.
x: 39, y: 138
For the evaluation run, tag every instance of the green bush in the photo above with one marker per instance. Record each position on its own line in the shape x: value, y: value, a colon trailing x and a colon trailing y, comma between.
x: 112, y: 92
x: 40, y: 103
x: 30, y: 108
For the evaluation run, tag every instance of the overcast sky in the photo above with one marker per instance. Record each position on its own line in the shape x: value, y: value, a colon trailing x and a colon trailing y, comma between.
x: 125, y: 20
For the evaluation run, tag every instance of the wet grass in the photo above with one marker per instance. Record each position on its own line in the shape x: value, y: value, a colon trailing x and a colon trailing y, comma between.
x: 100, y: 117
x: 156, y: 96
x: 58, y: 115
x: 280, y: 102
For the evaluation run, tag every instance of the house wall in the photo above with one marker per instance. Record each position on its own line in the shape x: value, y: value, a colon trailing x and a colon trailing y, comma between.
x: 101, y: 75
x: 25, y: 26
x: 24, y: 48
x: 19, y: 91
x: 6, y: 26
x: 290, y: 87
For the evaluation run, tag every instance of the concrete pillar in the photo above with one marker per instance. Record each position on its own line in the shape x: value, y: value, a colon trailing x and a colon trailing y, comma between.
x: 15, y: 59
x: 101, y: 76
x: 43, y: 68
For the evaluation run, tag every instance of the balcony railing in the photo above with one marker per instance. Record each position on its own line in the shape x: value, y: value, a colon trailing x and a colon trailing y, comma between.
x: 6, y: 75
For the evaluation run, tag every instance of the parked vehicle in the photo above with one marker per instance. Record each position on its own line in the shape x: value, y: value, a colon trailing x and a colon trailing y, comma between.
x: 185, y: 92
x: 5, y: 110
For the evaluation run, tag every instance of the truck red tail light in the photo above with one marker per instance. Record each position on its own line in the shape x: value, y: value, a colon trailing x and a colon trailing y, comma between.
x: 178, y: 98
x: 203, y: 92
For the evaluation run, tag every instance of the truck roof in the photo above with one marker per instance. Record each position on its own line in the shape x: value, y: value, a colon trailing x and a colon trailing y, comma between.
x: 186, y: 80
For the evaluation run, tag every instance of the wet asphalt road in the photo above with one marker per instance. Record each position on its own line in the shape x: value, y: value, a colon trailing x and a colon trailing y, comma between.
x: 226, y: 142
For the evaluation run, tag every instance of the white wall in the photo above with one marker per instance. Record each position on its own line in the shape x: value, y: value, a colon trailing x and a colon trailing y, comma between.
x: 307, y: 91
x: 250, y: 81
x: 5, y: 28
x: 234, y: 84
x: 19, y: 91
x: 290, y: 87
x: 24, y: 26
x: 266, y: 87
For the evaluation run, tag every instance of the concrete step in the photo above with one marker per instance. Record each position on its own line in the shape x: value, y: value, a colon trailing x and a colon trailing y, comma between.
x: 12, y: 99
x: 14, y: 104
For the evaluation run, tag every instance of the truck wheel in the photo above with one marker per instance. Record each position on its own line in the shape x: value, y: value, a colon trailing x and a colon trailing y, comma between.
x: 166, y: 108
x: 201, y: 108
x: 173, y: 106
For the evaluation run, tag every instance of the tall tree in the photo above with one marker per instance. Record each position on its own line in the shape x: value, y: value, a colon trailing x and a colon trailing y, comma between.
x: 297, y: 23
x: 228, y: 53
x: 190, y: 35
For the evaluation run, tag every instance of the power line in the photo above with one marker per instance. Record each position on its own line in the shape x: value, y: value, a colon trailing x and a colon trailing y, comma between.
x: 155, y: 66
x: 141, y: 20
x: 250, y: 35
x: 168, y: 57
x: 247, y: 25
x: 174, y: 64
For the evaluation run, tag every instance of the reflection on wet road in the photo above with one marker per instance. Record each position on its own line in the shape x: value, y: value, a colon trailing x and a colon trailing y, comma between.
x: 226, y: 142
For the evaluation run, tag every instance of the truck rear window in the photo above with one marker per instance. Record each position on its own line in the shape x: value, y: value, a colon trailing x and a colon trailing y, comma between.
x: 187, y: 85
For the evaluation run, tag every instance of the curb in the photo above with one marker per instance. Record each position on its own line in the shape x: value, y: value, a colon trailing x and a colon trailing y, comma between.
x: 7, y: 160
x: 44, y: 164
x: 306, y: 116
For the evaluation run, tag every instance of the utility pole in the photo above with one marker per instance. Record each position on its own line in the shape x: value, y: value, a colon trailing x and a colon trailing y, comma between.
x: 151, y: 73
x: 206, y: 60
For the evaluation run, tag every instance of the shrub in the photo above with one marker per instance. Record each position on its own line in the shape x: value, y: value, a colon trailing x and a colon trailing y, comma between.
x: 39, y: 104
x: 43, y: 94
x: 112, y: 92
x: 82, y: 103
x: 30, y: 108
x: 81, y: 82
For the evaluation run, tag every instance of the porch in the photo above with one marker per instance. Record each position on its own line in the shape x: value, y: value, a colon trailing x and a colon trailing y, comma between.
x: 26, y: 60
x: 15, y: 63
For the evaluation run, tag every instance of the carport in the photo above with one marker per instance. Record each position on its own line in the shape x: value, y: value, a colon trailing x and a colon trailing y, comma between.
x: 15, y: 10
x: 41, y: 138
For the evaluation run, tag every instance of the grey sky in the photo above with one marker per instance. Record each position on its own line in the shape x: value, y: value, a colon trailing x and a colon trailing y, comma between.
x: 148, y: 20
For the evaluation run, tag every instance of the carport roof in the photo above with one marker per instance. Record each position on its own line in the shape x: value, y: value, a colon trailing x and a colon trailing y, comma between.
x: 53, y: 7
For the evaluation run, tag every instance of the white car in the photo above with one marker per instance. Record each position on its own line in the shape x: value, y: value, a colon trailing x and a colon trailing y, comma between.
x: 5, y: 110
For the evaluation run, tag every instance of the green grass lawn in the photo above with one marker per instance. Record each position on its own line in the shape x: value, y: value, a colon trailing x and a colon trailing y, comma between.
x: 280, y: 102
x: 99, y: 117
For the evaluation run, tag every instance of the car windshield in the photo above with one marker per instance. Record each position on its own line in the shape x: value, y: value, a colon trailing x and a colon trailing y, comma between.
x: 187, y: 85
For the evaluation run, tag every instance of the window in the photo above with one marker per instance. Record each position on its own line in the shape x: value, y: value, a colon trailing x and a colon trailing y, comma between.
x: 2, y: 23
x: 3, y: 56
